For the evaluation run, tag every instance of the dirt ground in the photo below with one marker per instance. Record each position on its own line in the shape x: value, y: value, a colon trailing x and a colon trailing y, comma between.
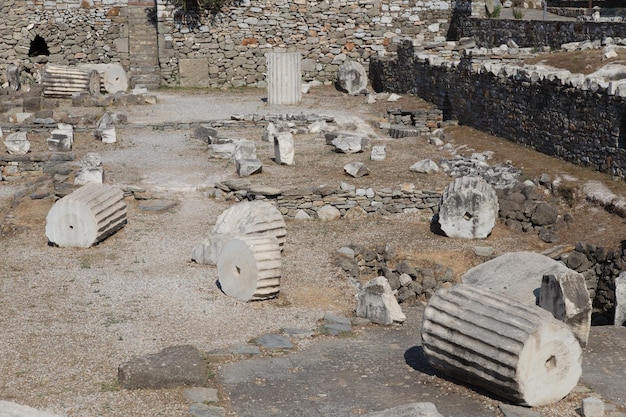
x: 70, y: 317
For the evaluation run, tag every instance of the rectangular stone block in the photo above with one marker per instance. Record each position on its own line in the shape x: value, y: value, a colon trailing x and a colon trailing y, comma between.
x: 284, y: 77
x: 193, y: 72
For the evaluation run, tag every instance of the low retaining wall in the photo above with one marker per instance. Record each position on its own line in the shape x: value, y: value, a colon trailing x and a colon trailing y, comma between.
x: 579, y: 120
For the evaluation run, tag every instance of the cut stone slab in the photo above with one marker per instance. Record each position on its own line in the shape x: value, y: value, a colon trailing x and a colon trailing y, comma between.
x: 274, y: 341
x: 592, y: 407
x: 11, y: 409
x: 250, y: 268
x: 518, y: 352
x: 567, y: 298
x: 409, y: 410
x: 247, y: 167
x: 468, y: 208
x: 347, y: 143
x: 244, y: 149
x: 86, y: 216
x: 351, y: 78
x: 157, y: 205
x: 284, y: 151
x: 516, y: 274
x: 356, y: 169
x: 105, y: 128
x: 620, y: 300
x: 376, y: 302
x: 91, y: 170
x: 517, y: 411
x: 17, y: 143
x: 205, y: 410
x: 222, y: 150
x: 378, y: 153
x: 174, y: 366
x: 61, y: 139
x: 201, y: 394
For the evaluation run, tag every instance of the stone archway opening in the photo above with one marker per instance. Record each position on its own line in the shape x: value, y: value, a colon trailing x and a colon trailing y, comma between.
x: 38, y: 46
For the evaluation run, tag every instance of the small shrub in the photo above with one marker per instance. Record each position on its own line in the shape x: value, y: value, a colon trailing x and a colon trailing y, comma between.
x: 517, y: 13
x: 495, y: 13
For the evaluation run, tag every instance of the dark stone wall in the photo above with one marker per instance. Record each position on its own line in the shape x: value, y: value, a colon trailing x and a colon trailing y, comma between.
x: 582, y: 127
x: 537, y: 33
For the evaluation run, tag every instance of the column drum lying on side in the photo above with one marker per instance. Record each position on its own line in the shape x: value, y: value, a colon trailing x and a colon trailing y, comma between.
x: 86, y: 216
x: 518, y: 352
x: 250, y: 268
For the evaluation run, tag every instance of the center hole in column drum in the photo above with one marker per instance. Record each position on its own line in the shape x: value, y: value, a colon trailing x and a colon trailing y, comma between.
x: 237, y: 271
x: 551, y: 363
x: 467, y: 216
x: 71, y: 227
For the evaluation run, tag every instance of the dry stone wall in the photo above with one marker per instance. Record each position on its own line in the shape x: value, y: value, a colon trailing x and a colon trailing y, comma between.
x: 74, y: 32
x: 579, y: 121
x: 229, y: 49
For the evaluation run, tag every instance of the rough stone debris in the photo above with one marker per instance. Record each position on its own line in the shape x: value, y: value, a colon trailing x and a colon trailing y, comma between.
x: 566, y: 297
x: 517, y: 274
x: 13, y: 77
x: 244, y: 149
x: 376, y: 302
x: 346, y: 142
x: 284, y: 151
x: 352, y: 78
x: 17, y: 143
x: 468, y: 208
x: 620, y: 300
x: 105, y: 128
x: 425, y: 166
x: 257, y: 218
x: 247, y: 167
x: 328, y: 213
x: 516, y: 351
x: 86, y: 216
x: 250, y: 268
x: 61, y: 139
x: 172, y: 367
x: 378, y: 153
x: 91, y: 170
x: 356, y: 169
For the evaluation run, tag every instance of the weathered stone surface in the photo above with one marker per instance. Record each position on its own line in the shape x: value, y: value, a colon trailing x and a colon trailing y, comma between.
x: 17, y: 143
x: 91, y: 170
x: 105, y: 128
x: 347, y: 143
x: 620, y: 300
x: 256, y: 218
x: 61, y: 139
x: 284, y: 151
x: 425, y: 166
x: 409, y: 410
x: 352, y: 78
x: 222, y: 150
x: 244, y: 149
x: 378, y: 153
x: 468, y: 208
x: 566, y: 297
x: 592, y: 407
x: 376, y: 302
x: 284, y: 77
x: 172, y: 367
x: 518, y: 352
x: 86, y: 216
x: 193, y: 72
x: 356, y: 169
x: 328, y: 213
x: 517, y: 274
x: 11, y: 409
x: 247, y: 167
x: 250, y: 268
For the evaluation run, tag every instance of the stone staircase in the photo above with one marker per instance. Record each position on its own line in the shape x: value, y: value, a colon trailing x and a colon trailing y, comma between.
x: 143, y: 48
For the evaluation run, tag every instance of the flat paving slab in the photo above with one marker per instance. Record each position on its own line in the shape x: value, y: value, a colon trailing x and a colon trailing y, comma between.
x: 380, y: 367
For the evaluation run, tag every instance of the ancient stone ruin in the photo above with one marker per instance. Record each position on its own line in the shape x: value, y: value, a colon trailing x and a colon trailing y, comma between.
x: 86, y: 216
x: 518, y: 352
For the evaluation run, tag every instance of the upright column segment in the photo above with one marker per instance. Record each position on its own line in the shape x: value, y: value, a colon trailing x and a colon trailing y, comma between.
x: 284, y: 77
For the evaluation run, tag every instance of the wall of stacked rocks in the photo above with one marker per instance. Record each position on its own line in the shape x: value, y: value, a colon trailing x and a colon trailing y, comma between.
x: 577, y: 121
x: 229, y: 49
x: 74, y: 32
x: 527, y: 33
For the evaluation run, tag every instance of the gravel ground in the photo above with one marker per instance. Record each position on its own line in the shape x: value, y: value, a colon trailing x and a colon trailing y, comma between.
x: 71, y: 316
